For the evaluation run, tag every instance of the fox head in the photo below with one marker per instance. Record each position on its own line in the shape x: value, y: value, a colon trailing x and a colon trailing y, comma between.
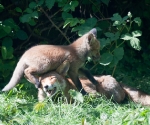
x: 51, y: 83
x: 94, y: 44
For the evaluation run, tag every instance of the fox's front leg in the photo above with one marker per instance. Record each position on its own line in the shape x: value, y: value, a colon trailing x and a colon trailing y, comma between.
x: 74, y: 77
x: 29, y: 73
x: 87, y: 73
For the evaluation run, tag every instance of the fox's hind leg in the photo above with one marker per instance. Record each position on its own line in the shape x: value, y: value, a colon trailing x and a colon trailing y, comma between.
x: 29, y: 73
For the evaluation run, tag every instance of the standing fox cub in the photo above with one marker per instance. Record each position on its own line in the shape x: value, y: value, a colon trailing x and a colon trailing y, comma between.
x: 45, y: 58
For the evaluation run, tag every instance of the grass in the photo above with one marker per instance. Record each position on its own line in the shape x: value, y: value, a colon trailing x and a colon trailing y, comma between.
x: 20, y: 107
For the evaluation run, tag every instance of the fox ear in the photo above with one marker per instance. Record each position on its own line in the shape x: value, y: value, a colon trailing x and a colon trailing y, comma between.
x: 94, y: 32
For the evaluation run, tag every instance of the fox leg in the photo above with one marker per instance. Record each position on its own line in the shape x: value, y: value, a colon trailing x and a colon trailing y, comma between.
x: 87, y: 73
x: 63, y: 68
x: 74, y: 77
x: 29, y: 73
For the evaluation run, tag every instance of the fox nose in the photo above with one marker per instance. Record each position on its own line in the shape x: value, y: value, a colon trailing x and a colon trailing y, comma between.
x: 46, y: 87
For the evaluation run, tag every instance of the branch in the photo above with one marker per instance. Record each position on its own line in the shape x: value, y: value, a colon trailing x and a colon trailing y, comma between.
x: 54, y: 24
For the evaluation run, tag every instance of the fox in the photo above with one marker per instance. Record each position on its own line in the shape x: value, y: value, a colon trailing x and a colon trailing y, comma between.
x: 108, y: 86
x: 53, y: 82
x: 41, y: 59
x: 136, y: 95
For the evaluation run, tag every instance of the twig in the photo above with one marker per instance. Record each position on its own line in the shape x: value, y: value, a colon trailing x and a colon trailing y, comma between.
x: 54, y: 24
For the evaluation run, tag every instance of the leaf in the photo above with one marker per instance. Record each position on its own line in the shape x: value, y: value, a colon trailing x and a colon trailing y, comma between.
x: 7, y: 52
x: 118, y: 53
x: 71, y: 21
x: 50, y: 3
x: 1, y: 7
x: 87, y: 26
x: 25, y: 18
x: 76, y: 95
x: 7, y: 29
x: 117, y: 19
x: 71, y: 6
x: 10, y: 22
x: 136, y: 33
x: 39, y: 106
x: 28, y: 10
x: 18, y: 9
x: 135, y: 43
x: 137, y: 20
x: 33, y: 5
x: 113, y: 36
x: 66, y: 15
x: 104, y: 42
x: 35, y: 14
x: 22, y: 35
x: 126, y: 36
x: 106, y: 59
x: 105, y: 2
x: 7, y: 42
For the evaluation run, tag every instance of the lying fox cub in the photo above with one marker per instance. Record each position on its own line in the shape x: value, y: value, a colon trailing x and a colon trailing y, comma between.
x: 52, y: 82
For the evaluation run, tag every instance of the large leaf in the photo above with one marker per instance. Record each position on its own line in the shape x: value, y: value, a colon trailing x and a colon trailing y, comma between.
x: 50, y: 3
x: 135, y: 43
x: 105, y: 2
x: 104, y: 42
x: 126, y: 36
x: 138, y: 21
x: 71, y: 6
x: 87, y: 26
x: 66, y: 15
x: 22, y: 35
x: 1, y: 7
x: 7, y: 42
x: 136, y: 33
x: 76, y: 95
x: 106, y: 59
x: 7, y: 52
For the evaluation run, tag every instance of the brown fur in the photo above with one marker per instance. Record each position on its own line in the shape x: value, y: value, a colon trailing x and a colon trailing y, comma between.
x: 107, y: 86
x: 136, y: 95
x: 44, y: 58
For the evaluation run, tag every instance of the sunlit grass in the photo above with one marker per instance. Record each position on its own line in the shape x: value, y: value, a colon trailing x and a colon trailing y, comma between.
x: 18, y: 108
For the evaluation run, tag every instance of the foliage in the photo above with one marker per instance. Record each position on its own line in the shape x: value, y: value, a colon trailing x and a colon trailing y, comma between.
x: 121, y: 26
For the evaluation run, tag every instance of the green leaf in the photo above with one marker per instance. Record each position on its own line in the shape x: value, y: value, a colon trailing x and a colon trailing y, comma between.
x: 33, y: 5
x: 50, y: 3
x: 87, y: 26
x: 35, y: 14
x: 135, y: 43
x: 1, y: 7
x: 126, y: 36
x: 28, y: 10
x: 7, y: 29
x: 113, y: 36
x: 76, y: 95
x: 117, y: 18
x: 22, y: 35
x: 136, y: 33
x: 106, y: 59
x: 71, y: 21
x: 18, y: 9
x: 137, y: 20
x: 25, y: 18
x: 118, y: 53
x: 66, y: 15
x: 10, y: 22
x: 7, y: 52
x: 71, y: 6
x: 32, y: 22
x: 104, y: 42
x: 2, y: 34
x: 105, y: 2
x: 7, y: 42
